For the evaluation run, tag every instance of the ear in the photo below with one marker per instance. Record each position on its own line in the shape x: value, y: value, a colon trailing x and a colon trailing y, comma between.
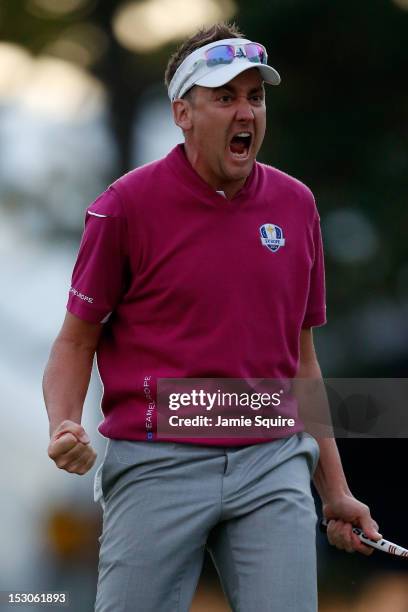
x: 182, y: 114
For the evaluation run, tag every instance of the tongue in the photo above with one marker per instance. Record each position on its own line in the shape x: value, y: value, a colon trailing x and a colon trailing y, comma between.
x: 237, y: 146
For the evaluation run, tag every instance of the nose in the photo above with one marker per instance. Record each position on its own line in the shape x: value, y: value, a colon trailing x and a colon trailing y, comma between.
x: 244, y: 111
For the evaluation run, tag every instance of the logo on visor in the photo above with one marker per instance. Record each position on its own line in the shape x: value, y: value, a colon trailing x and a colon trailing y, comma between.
x: 272, y: 236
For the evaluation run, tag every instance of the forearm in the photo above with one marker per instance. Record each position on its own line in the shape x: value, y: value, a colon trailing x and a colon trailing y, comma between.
x: 339, y: 506
x: 329, y: 478
x: 66, y: 381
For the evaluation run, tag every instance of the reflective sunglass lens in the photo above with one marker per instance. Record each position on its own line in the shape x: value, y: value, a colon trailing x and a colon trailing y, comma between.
x: 255, y: 53
x: 223, y: 54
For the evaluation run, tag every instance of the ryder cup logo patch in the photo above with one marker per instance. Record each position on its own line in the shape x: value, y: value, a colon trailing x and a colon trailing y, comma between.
x: 272, y: 236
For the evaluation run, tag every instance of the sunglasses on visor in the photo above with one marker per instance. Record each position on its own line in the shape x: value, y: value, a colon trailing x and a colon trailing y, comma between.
x: 217, y: 56
x: 225, y: 54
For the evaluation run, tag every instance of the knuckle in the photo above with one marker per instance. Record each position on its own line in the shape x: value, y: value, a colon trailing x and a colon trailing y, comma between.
x: 83, y: 468
x: 89, y: 453
x: 69, y: 437
x: 51, y: 453
x: 90, y: 461
x: 76, y: 458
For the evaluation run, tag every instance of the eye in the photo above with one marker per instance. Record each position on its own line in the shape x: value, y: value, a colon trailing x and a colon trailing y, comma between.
x: 225, y: 98
x: 258, y: 98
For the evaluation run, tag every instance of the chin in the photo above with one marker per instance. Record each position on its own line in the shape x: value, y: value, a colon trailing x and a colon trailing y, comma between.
x: 240, y: 169
x: 240, y: 176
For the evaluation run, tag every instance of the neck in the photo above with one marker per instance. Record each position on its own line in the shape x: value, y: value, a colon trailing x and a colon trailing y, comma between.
x: 229, y: 187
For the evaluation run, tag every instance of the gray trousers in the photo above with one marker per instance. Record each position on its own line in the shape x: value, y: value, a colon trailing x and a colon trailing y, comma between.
x: 164, y: 503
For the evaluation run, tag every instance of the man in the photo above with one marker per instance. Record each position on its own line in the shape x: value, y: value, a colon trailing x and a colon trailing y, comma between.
x: 175, y: 279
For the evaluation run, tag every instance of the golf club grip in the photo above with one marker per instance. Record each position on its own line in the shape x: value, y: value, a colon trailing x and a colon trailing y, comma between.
x: 384, y: 545
x: 357, y: 531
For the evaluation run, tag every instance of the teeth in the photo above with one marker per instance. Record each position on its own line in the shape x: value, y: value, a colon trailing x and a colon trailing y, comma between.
x: 243, y: 134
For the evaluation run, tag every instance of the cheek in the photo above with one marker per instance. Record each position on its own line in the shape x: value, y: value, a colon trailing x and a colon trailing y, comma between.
x: 208, y: 130
x: 261, y: 127
x: 262, y: 120
x: 212, y: 136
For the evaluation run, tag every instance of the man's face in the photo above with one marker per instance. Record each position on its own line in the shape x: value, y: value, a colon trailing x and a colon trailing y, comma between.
x: 227, y: 129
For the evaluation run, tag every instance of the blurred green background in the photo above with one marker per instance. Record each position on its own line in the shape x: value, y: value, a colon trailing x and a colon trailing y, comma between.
x: 82, y: 101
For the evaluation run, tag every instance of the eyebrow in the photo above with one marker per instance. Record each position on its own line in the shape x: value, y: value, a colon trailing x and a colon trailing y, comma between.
x: 232, y: 90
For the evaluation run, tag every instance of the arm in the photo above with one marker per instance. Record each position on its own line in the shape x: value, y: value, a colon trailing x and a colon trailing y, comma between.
x: 65, y: 384
x: 329, y: 479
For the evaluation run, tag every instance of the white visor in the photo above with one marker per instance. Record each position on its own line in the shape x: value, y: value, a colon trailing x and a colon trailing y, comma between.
x: 194, y: 70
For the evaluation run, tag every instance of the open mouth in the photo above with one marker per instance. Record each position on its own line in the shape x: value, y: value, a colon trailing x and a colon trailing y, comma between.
x: 240, y: 144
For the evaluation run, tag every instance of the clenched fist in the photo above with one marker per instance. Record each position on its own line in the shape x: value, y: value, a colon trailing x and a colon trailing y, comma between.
x: 70, y: 448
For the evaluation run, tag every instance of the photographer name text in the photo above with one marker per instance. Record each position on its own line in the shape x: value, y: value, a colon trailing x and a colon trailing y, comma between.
x: 242, y: 421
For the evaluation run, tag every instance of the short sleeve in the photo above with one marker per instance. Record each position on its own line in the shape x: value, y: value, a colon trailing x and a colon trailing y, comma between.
x: 315, y: 314
x: 98, y: 278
